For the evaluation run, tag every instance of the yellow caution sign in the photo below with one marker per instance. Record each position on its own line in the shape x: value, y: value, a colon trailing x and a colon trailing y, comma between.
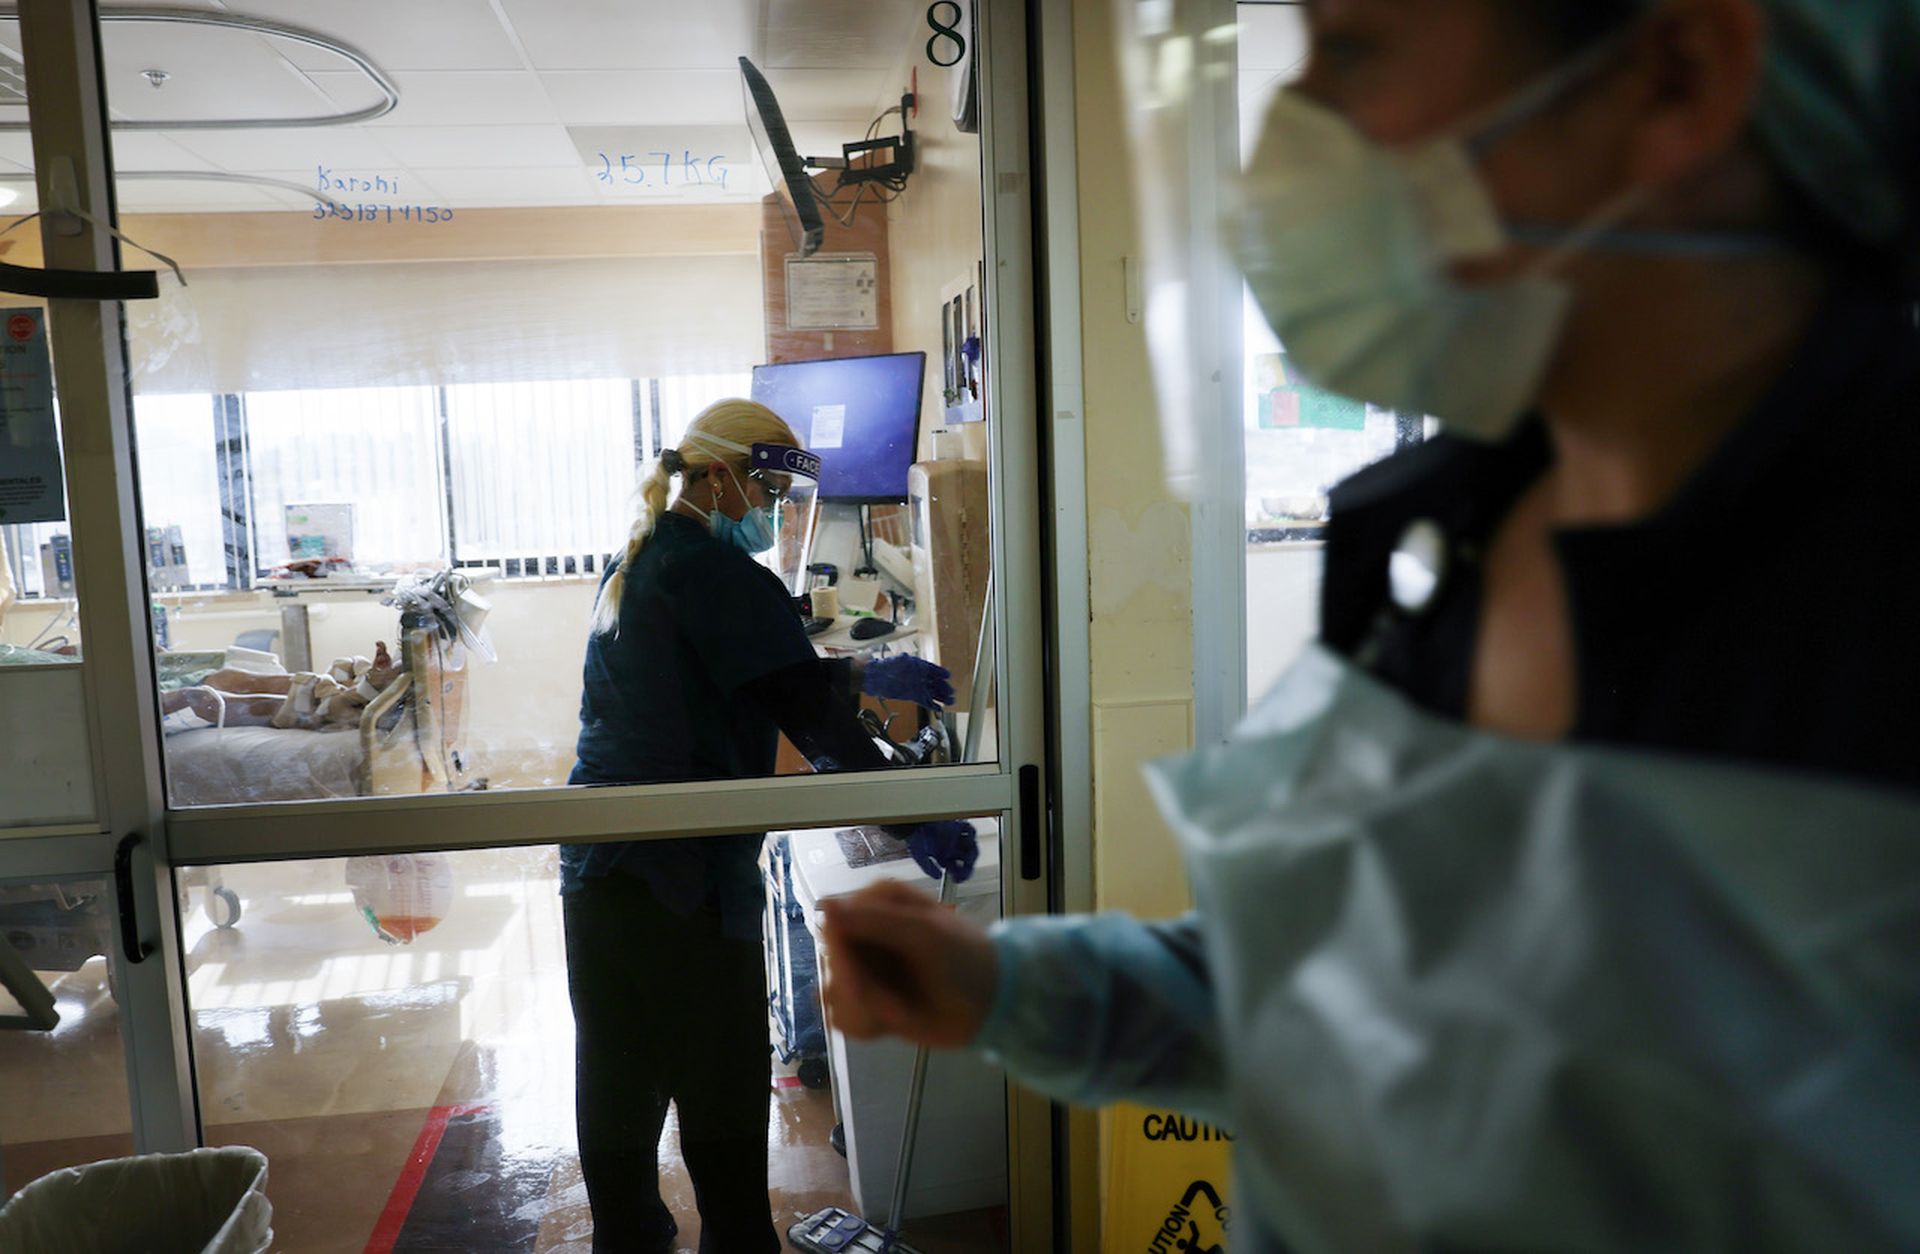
x: 1166, y: 1184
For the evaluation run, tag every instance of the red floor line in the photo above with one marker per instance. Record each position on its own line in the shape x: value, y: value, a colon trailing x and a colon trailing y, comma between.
x: 786, y: 1081
x: 400, y: 1202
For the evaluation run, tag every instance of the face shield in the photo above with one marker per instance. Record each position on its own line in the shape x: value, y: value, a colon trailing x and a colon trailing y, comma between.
x: 790, y: 480
x: 1180, y: 66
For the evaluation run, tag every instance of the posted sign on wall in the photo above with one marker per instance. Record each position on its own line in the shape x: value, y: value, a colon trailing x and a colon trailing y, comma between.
x: 30, y: 476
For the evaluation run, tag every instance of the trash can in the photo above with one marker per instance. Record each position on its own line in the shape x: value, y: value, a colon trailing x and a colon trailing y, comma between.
x: 206, y: 1201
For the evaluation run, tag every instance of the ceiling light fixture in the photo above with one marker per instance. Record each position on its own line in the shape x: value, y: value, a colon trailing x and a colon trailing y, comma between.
x: 389, y: 93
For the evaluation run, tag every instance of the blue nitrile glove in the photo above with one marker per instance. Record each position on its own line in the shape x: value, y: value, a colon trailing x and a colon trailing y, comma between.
x: 947, y: 847
x: 904, y: 677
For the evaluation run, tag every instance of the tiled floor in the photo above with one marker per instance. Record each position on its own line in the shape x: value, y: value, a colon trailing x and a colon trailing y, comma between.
x: 340, y: 1056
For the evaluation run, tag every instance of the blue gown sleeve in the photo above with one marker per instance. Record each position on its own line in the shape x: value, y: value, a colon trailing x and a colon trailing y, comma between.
x: 1091, y: 1009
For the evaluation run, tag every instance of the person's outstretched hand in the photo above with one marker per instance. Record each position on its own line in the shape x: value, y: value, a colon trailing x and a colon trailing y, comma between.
x: 900, y: 963
x: 904, y: 677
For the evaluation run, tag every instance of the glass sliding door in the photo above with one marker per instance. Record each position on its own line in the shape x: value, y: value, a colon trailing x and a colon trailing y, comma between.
x: 455, y: 286
x: 66, y: 1082
x: 443, y: 335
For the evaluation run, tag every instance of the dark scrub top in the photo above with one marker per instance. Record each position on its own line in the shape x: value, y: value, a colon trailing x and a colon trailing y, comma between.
x: 1769, y: 614
x: 699, y: 620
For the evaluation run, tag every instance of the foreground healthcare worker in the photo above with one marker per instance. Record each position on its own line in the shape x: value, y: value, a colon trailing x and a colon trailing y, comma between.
x: 1567, y: 894
x: 696, y: 663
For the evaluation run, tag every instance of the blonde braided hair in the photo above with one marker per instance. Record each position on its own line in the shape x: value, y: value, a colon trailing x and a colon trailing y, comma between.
x: 737, y: 421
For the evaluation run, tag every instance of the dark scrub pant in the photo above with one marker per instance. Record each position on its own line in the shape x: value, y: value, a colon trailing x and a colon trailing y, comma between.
x: 666, y: 1008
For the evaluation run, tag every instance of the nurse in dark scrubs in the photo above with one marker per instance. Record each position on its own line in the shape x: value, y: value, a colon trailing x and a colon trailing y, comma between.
x: 696, y: 664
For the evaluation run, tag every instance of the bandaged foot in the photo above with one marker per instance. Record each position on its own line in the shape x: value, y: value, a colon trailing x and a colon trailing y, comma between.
x: 306, y: 706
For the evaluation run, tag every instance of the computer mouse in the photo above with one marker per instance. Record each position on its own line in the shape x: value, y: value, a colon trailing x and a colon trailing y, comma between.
x: 871, y: 629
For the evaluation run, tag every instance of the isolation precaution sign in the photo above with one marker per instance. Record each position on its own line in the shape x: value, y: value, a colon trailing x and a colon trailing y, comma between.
x: 31, y: 485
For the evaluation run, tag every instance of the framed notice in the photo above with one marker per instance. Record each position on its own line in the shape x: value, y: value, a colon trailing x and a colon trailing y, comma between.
x: 833, y: 292
x: 31, y: 486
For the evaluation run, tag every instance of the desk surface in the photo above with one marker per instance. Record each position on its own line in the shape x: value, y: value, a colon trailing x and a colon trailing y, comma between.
x: 820, y: 869
x: 838, y: 641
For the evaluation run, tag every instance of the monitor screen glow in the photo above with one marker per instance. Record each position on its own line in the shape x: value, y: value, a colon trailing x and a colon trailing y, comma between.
x: 860, y: 414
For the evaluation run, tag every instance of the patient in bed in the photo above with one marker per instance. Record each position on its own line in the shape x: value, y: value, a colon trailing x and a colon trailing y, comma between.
x: 304, y: 700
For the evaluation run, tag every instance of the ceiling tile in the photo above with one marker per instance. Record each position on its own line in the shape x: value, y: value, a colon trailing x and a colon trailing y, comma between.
x: 447, y: 97
x: 647, y: 97
x: 308, y: 147
x: 489, y: 186
x: 476, y: 147
x: 634, y: 34
x: 144, y: 150
x: 211, y: 73
x: 415, y: 35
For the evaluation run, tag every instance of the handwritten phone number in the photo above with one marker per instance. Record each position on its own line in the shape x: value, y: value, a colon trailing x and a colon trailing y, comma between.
x: 427, y: 214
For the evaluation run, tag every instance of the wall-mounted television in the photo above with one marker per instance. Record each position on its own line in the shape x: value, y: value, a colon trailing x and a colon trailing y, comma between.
x: 782, y: 161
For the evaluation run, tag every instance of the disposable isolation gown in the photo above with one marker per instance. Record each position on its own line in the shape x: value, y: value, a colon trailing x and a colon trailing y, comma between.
x: 1451, y: 990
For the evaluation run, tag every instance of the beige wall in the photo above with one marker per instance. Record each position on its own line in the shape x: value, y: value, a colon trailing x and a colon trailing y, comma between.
x: 1138, y: 545
x: 934, y: 236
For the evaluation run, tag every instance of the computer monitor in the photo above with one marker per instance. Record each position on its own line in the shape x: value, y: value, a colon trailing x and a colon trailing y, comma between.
x: 861, y: 414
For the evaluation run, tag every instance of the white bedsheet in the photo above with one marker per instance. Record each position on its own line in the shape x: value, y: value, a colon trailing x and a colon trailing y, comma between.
x: 243, y: 765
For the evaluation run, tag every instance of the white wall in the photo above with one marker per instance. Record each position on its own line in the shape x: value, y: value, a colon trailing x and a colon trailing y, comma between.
x: 1283, y: 609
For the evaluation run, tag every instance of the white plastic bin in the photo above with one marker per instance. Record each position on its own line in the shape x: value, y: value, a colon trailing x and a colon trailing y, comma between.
x: 961, y: 1161
x: 205, y: 1201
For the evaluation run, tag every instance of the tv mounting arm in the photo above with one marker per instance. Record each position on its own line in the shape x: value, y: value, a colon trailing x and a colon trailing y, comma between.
x: 856, y: 164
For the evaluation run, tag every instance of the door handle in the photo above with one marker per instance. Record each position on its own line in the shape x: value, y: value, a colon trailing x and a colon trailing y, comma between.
x: 132, y: 945
x: 79, y: 284
x: 1032, y: 824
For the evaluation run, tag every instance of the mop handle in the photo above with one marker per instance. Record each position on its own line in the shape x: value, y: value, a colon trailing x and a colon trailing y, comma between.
x: 897, y: 1212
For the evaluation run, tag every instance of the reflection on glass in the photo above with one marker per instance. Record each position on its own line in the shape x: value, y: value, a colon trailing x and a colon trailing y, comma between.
x: 39, y: 599
x: 1300, y: 442
x: 395, y: 1033
x: 457, y: 335
x: 66, y: 1090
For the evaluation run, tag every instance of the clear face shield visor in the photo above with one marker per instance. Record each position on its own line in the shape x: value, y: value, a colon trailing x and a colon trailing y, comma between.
x: 789, y: 479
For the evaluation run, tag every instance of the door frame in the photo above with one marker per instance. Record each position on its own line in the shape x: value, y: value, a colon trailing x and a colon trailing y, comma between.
x: 62, y: 50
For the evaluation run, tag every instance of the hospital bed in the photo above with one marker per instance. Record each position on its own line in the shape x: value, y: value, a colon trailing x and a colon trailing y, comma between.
x: 410, y: 740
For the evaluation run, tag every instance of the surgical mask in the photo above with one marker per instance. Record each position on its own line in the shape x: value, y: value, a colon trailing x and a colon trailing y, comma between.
x: 1348, y: 246
x: 752, y: 533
